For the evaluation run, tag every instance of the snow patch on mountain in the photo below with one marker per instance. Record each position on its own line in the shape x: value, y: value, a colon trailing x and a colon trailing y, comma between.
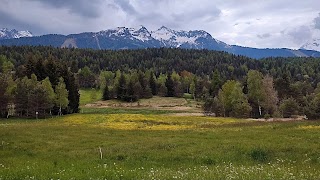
x: 141, y: 34
x: 6, y: 33
x: 312, y: 45
x: 174, y: 38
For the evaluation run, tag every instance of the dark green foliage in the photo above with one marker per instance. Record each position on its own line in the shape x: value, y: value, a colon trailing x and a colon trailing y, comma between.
x: 130, y: 94
x: 289, y: 107
x: 86, y: 78
x: 312, y: 109
x: 170, y: 86
x: 32, y: 96
x: 162, y: 90
x: 216, y: 83
x: 282, y: 85
x: 122, y: 87
x: 138, y: 90
x: 106, y: 93
x: 148, y: 92
x: 178, y: 90
x: 73, y: 91
x: 153, y: 84
x: 189, y: 71
x: 259, y: 155
x: 212, y: 105
x: 4, y: 99
x: 39, y: 101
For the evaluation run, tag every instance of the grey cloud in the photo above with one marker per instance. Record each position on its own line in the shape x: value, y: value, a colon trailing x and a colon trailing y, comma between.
x: 244, y: 22
x: 208, y: 13
x: 300, y: 34
x: 7, y: 21
x: 263, y: 36
x: 126, y: 6
x: 90, y: 9
x: 316, y: 22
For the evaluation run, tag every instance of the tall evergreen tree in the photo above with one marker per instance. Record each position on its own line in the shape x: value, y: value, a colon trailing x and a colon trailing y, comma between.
x: 170, y: 86
x: 72, y: 88
x: 106, y: 94
x: 130, y: 95
x: 138, y: 90
x: 4, y: 99
x: 21, y: 97
x: 153, y: 84
x: 122, y: 87
x: 216, y: 83
x: 282, y: 85
x: 40, y: 101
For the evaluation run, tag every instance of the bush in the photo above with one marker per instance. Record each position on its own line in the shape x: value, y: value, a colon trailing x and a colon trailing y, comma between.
x: 267, y: 116
x: 241, y: 110
x: 259, y: 155
x: 289, y: 107
x: 212, y: 105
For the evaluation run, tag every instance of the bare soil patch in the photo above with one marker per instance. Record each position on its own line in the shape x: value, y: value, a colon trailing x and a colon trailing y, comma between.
x: 156, y: 103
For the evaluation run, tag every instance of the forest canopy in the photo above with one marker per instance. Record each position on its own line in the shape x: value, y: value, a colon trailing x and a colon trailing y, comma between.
x: 230, y: 85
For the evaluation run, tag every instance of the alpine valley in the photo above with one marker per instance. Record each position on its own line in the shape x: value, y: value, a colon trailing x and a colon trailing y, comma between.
x: 141, y: 38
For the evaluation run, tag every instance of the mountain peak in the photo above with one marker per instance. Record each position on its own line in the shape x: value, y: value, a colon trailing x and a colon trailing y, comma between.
x: 142, y: 27
x: 141, y: 37
x: 6, y: 33
x: 164, y: 28
x: 313, y: 44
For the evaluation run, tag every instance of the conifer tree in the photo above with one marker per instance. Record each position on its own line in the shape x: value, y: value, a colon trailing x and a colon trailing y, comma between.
x: 122, y: 87
x: 138, y: 90
x: 170, y: 86
x: 106, y: 94
x: 4, y: 99
x: 216, y: 83
x: 153, y: 84
x: 130, y: 95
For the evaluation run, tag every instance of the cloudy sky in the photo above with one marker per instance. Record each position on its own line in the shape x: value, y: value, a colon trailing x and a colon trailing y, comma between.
x: 254, y: 23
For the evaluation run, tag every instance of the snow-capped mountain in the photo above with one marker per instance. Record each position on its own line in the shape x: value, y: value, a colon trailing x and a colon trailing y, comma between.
x: 6, y: 33
x: 141, y: 38
x: 314, y: 44
x: 172, y: 38
x: 163, y: 37
x: 141, y: 34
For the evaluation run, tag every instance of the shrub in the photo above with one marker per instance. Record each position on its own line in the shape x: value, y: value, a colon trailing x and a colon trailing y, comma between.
x: 259, y: 155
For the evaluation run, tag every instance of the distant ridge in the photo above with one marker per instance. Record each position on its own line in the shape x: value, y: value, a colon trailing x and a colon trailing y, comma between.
x: 140, y: 38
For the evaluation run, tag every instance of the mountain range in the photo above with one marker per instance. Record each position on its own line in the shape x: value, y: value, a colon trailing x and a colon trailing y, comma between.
x: 6, y: 33
x: 131, y: 38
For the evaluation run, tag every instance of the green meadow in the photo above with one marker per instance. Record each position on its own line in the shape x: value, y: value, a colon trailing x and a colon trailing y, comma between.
x: 111, y: 143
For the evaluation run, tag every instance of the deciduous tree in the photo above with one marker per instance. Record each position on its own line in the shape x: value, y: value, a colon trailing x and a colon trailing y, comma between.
x: 61, y: 95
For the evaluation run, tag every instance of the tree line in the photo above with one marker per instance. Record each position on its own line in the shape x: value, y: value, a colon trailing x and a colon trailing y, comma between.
x: 44, y: 89
x: 228, y: 84
x: 163, y: 60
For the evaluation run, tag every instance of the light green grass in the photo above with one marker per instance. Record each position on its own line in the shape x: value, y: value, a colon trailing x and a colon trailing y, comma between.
x: 89, y: 96
x: 163, y: 146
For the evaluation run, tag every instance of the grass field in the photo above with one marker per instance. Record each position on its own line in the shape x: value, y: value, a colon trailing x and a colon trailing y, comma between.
x: 163, y: 146
x: 89, y: 96
x: 111, y: 143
